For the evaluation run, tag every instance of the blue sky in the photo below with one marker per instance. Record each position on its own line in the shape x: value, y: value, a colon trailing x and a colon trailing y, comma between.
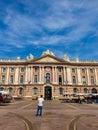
x: 63, y: 26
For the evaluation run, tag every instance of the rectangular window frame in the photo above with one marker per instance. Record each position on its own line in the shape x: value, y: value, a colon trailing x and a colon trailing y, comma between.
x: 21, y: 79
x: 3, y: 69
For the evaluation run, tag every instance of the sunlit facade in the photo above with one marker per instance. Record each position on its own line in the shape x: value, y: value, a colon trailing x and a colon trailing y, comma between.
x: 48, y: 75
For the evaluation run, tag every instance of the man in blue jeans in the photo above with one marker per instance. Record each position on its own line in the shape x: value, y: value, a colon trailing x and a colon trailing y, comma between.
x: 40, y: 106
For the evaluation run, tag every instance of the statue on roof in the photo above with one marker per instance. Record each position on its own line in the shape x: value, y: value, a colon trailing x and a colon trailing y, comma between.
x: 66, y: 58
x: 48, y: 52
x: 77, y: 59
x: 31, y: 56
x: 18, y: 58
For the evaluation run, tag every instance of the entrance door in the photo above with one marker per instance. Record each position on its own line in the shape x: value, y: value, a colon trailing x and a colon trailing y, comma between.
x: 48, y: 93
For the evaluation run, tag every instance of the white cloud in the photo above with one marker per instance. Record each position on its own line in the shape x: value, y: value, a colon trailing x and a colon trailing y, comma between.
x: 41, y: 27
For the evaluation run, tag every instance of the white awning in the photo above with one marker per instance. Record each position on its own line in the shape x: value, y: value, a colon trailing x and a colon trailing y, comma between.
x: 4, y: 92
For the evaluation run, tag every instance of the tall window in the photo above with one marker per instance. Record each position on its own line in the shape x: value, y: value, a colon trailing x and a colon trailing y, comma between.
x: 59, y: 69
x: 11, y: 69
x: 47, y: 78
x: 22, y: 69
x: 92, y: 80
x: 3, y: 78
x: 60, y: 79
x: 83, y: 71
x: 84, y: 80
x: 35, y: 78
x: 73, y: 79
x: 91, y: 71
x: 73, y: 70
x: 10, y: 90
x: 35, y: 90
x: 3, y: 69
x: 11, y: 78
x: 20, y: 91
x: 1, y: 89
x: 35, y: 69
x: 21, y: 78
x: 61, y: 90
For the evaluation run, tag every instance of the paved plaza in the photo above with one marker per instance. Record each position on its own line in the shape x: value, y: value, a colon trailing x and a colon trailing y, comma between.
x: 20, y: 115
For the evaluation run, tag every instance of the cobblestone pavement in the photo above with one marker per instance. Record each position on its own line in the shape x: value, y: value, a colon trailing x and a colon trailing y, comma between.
x: 20, y: 115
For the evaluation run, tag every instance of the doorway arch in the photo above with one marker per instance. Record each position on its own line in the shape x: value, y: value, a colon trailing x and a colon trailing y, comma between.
x: 48, y: 93
x: 94, y: 90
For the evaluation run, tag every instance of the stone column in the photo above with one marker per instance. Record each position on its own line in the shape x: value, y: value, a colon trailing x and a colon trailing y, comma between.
x: 56, y: 76
x: 88, y: 77
x: 7, y: 76
x: 29, y: 74
x: 53, y: 75
x: 69, y: 78
x: 79, y: 76
x: 65, y: 80
x: 26, y: 75
x: 40, y: 74
x: 16, y: 75
x: 96, y: 77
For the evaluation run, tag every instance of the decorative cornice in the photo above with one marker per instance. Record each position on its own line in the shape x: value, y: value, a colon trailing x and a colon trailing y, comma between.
x: 48, y: 57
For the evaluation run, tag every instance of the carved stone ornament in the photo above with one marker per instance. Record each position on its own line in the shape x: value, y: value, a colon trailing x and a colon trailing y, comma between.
x: 48, y: 52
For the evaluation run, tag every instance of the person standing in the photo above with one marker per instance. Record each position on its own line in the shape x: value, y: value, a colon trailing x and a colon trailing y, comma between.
x: 40, y: 106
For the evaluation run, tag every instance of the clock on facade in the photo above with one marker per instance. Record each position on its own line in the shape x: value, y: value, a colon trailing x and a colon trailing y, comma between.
x: 47, y: 68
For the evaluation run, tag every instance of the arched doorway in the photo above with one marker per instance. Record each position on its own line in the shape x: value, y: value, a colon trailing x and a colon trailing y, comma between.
x: 75, y: 90
x: 48, y: 93
x: 85, y: 90
x: 20, y: 91
x: 94, y: 90
x: 10, y: 90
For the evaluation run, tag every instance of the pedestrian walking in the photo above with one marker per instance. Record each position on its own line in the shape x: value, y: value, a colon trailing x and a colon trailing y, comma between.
x: 40, y: 105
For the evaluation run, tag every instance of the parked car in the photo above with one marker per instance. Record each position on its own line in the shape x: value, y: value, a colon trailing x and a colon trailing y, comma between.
x: 1, y: 98
x: 5, y: 97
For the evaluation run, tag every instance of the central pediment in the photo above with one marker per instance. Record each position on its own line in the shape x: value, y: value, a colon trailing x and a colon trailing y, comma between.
x: 49, y: 59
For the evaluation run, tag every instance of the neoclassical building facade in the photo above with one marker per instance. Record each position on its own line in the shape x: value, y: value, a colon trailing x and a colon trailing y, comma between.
x: 48, y: 75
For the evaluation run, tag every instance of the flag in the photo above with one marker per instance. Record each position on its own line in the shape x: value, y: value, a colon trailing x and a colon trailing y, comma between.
x: 66, y: 81
x: 29, y: 81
